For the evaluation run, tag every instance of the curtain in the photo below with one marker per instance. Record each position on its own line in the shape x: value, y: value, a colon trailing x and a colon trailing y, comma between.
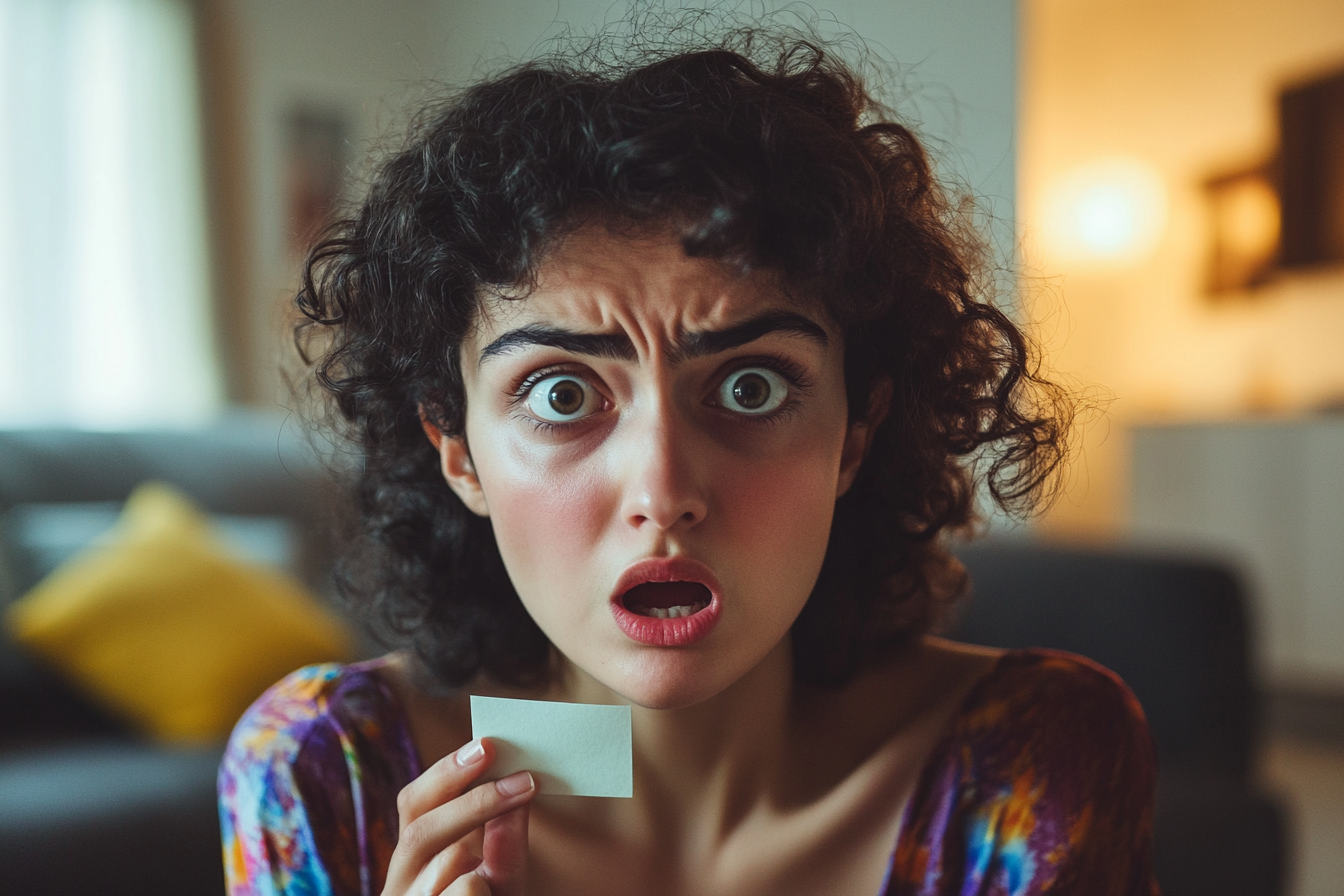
x: 104, y: 280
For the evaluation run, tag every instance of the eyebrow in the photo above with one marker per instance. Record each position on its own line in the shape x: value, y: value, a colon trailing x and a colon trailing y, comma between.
x: 690, y: 345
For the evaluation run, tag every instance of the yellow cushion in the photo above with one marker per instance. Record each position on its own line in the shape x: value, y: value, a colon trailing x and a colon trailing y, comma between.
x: 161, y: 625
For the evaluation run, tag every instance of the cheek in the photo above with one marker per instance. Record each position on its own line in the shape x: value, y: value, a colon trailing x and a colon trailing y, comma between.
x: 775, y: 513
x: 546, y: 515
x: 784, y: 505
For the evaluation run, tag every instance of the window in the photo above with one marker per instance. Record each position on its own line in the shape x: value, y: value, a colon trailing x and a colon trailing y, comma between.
x: 104, y: 280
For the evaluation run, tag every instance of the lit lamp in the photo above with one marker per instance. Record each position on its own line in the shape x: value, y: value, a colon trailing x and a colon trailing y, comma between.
x: 1244, y: 227
x: 1110, y: 210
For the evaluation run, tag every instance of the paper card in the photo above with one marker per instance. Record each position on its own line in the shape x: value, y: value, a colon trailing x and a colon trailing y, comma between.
x: 571, y: 748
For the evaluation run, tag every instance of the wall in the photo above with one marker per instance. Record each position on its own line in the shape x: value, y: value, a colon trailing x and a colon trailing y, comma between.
x: 953, y: 78
x: 1187, y: 88
x: 955, y: 81
x: 364, y: 61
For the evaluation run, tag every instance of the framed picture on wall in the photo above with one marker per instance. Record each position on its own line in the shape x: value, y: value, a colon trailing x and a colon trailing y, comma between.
x: 317, y: 141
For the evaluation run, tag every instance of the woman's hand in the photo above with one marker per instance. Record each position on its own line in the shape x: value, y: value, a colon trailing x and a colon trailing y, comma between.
x: 454, y: 841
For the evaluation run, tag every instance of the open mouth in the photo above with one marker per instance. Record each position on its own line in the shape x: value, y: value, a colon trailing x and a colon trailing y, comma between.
x: 667, y: 600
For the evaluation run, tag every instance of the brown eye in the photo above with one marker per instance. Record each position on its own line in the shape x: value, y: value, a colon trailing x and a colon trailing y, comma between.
x: 559, y: 399
x: 566, y: 397
x: 753, y: 390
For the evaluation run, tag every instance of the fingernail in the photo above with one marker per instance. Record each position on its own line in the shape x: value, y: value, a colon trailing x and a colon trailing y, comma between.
x: 471, y: 753
x: 515, y: 784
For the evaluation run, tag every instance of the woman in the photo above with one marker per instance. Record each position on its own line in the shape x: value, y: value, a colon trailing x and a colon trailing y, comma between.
x: 668, y: 378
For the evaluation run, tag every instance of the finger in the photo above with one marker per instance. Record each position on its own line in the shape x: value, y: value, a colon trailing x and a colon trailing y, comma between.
x: 443, y: 826
x: 446, y: 867
x: 504, y: 853
x: 469, y: 885
x: 443, y: 781
x: 475, y: 842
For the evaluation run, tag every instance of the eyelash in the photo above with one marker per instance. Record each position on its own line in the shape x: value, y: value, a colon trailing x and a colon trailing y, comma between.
x: 519, y: 393
x: 799, y: 384
x: 794, y: 374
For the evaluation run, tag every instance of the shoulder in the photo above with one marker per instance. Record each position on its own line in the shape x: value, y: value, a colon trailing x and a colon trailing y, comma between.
x: 1049, y: 700
x: 291, y: 774
x: 1045, y: 780
x: 305, y: 704
x: 1067, y: 727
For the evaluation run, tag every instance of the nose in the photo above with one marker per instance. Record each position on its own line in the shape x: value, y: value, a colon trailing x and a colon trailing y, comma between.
x: 663, y: 482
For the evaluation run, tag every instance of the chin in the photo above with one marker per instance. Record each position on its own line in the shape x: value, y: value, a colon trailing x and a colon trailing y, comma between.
x: 667, y: 699
x: 668, y: 682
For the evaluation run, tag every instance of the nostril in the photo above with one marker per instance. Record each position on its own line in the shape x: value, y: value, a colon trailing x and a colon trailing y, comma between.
x: 666, y: 517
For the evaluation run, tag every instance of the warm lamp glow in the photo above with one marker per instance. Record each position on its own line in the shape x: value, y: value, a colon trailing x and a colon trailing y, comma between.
x: 1108, y: 210
x: 1248, y: 217
x: 1245, y: 219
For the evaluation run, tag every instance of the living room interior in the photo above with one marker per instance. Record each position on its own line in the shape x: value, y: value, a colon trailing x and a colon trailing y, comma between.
x: 1161, y: 183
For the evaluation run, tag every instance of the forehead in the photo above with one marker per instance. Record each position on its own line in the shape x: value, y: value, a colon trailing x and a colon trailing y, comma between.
x: 643, y: 285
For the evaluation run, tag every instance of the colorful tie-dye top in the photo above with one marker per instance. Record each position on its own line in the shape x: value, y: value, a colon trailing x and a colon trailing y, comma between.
x: 1042, y: 783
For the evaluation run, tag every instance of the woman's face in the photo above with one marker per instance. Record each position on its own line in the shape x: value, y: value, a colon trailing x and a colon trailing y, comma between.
x: 659, y: 444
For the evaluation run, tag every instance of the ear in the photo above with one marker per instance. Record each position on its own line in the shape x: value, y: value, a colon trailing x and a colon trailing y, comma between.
x: 859, y: 437
x: 458, y: 470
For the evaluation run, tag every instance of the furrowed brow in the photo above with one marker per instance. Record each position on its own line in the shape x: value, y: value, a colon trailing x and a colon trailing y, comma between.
x: 692, y: 345
x: 599, y: 345
x: 711, y: 342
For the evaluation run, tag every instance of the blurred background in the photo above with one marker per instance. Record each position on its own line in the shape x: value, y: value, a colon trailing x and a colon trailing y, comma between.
x: 1162, y: 180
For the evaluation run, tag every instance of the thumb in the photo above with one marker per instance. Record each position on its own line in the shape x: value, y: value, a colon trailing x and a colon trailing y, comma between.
x: 504, y: 854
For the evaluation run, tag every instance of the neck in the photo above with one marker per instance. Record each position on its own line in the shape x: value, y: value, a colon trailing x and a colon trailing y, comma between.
x: 703, y: 768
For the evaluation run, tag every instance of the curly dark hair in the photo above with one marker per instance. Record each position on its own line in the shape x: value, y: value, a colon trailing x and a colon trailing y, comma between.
x: 762, y: 154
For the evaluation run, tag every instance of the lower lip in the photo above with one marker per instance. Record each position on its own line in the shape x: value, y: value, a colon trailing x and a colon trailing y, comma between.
x: 671, y: 632
x: 657, y: 632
